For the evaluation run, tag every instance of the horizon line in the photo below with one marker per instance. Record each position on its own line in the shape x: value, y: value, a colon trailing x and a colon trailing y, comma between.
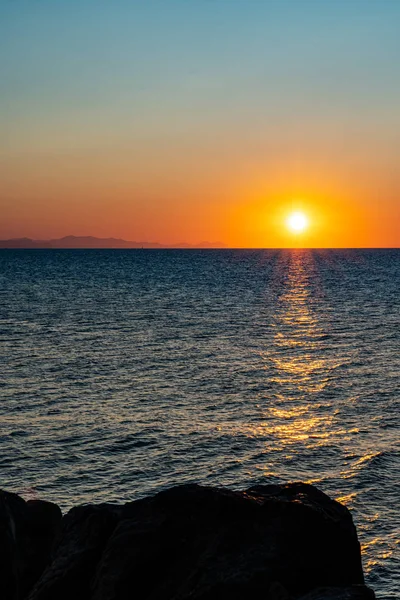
x: 23, y: 243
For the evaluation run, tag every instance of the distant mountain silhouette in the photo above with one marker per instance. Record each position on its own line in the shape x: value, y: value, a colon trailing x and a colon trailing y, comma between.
x: 72, y: 241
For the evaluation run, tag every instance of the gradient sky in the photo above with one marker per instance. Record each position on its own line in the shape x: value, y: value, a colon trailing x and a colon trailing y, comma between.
x: 195, y: 120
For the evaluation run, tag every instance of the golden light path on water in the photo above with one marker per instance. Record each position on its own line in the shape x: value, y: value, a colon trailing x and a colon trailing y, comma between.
x: 301, y: 370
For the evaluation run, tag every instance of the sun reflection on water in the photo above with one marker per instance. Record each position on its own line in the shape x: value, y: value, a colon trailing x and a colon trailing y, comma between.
x: 297, y: 332
x: 296, y: 366
x: 305, y: 421
x: 298, y: 411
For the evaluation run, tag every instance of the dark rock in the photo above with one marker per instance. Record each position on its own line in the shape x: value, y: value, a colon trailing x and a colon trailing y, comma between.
x: 10, y: 505
x: 191, y: 542
x: 204, y: 543
x: 317, y: 538
x: 354, y: 592
x: 27, y: 531
x: 84, y: 533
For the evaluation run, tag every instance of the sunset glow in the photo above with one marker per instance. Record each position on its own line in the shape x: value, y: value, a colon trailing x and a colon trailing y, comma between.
x: 297, y: 222
x: 109, y: 135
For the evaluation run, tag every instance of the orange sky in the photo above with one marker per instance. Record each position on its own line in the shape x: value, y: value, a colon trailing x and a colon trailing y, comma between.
x: 241, y: 203
x: 124, y: 123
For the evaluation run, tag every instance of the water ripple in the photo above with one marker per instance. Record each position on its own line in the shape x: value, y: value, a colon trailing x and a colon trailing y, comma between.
x: 128, y: 371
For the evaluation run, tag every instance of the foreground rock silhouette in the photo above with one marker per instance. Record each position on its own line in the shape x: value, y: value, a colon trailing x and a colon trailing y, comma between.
x: 274, y: 542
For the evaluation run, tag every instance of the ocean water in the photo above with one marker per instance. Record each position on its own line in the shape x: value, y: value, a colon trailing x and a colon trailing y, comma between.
x: 124, y: 372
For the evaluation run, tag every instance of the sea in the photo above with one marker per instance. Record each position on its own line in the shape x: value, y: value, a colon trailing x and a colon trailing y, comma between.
x: 125, y: 372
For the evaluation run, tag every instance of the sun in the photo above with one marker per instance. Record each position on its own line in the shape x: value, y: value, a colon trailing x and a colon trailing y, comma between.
x: 297, y: 222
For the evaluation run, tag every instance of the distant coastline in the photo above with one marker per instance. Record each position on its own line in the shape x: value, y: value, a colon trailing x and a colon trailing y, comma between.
x: 72, y: 241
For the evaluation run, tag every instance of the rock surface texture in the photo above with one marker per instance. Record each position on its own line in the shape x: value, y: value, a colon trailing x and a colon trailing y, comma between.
x: 27, y: 531
x: 274, y: 542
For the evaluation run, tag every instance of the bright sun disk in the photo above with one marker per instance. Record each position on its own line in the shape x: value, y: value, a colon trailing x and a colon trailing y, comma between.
x: 297, y: 222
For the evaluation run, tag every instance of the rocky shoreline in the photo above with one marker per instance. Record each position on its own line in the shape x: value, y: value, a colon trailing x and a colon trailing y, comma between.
x: 272, y: 542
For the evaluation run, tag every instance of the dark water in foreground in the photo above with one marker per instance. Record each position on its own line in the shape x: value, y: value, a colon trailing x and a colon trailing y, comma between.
x: 128, y: 371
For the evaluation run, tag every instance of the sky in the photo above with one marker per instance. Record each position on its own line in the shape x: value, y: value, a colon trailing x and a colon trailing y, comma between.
x: 201, y: 120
